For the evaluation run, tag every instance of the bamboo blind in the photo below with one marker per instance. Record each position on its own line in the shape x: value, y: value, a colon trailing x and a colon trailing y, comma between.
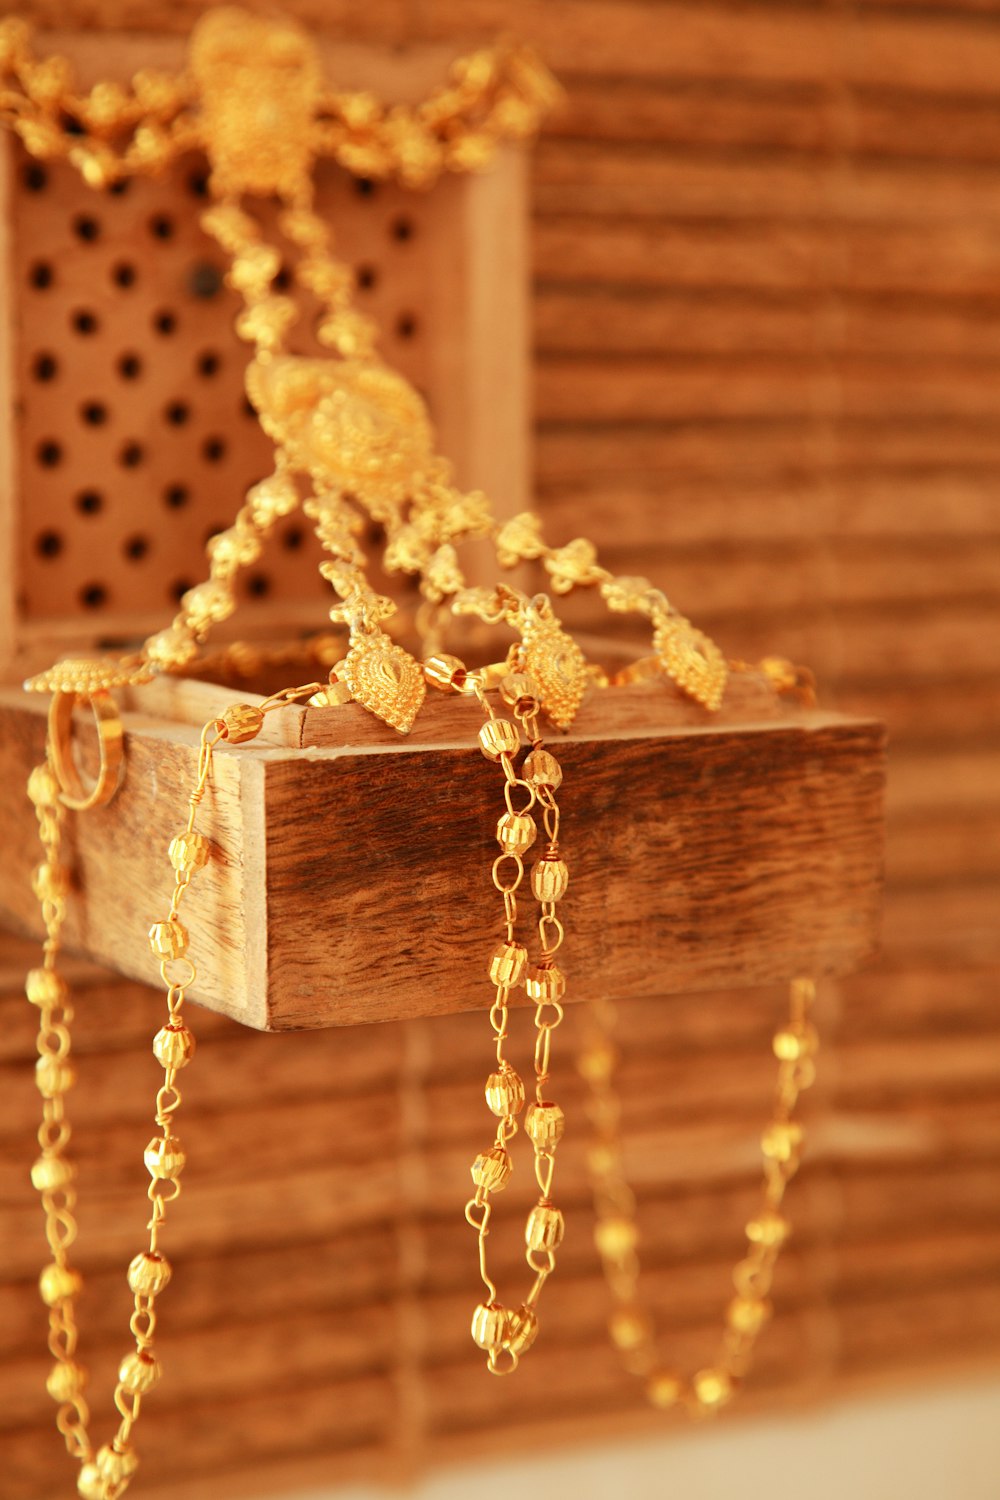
x: 767, y: 314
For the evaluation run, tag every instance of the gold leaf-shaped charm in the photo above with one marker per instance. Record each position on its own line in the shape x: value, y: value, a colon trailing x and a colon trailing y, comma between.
x: 558, y: 666
x: 693, y: 661
x: 442, y: 575
x: 385, y: 679
x: 519, y: 540
x: 573, y: 565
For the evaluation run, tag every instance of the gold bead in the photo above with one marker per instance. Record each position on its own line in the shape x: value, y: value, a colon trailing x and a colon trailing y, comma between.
x: 148, y: 1274
x: 138, y: 1373
x: 45, y: 987
x: 50, y: 882
x: 189, y: 851
x: 173, y: 1046
x: 597, y: 1063
x: 768, y: 1228
x: 629, y: 1329
x: 490, y: 1325
x: 90, y: 1485
x: 781, y: 1140
x: 116, y: 1462
x: 168, y: 939
x: 522, y: 1329
x: 505, y: 1092
x: 491, y: 1169
x: 545, y: 1228
x: 499, y: 737
x: 713, y: 1388
x: 542, y: 769
x: 747, y: 1314
x: 276, y: 496
x: 544, y: 1125
x: 241, y: 722
x: 545, y: 984
x: 66, y: 1380
x: 516, y: 832
x: 445, y: 672
x: 57, y: 1283
x: 54, y: 1076
x: 508, y: 963
x: 664, y: 1389
x: 164, y: 1158
x: 50, y: 1173
x: 615, y: 1237
x: 43, y: 788
x: 519, y: 691
x: 795, y: 1042
x: 549, y: 876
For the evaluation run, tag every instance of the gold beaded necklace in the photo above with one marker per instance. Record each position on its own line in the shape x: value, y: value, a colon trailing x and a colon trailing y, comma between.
x: 352, y: 440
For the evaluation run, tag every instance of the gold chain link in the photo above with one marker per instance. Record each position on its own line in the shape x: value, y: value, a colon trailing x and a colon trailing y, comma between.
x: 616, y: 1232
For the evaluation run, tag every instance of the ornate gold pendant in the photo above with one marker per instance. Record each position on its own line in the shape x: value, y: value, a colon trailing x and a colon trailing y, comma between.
x: 558, y: 666
x: 385, y: 679
x: 87, y: 676
x: 693, y: 661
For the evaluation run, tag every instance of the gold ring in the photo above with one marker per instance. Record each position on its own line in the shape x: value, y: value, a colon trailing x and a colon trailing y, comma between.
x: 74, y: 791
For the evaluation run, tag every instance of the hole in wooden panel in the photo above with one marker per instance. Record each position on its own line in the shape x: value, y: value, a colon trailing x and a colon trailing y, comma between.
x: 208, y: 364
x: 258, y: 585
x: 197, y: 184
x: 123, y: 274
x: 401, y: 228
x: 130, y: 367
x: 93, y: 595
x: 165, y: 322
x: 120, y: 188
x: 41, y: 275
x: 70, y: 125
x: 85, y: 322
x: 293, y: 538
x: 86, y: 227
x: 406, y: 325
x: 161, y: 226
x: 248, y: 409
x: 213, y: 449
x: 179, y: 588
x: 94, y: 413
x: 283, y: 279
x: 364, y: 187
x: 177, y: 413
x: 204, y: 280
x: 89, y: 502
x: 366, y: 277
x: 48, y: 544
x: 49, y: 453
x: 44, y: 367
x: 136, y: 548
x: 176, y: 496
x: 35, y: 177
x: 131, y: 454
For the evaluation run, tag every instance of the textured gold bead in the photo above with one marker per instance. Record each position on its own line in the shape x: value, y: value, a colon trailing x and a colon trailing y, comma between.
x: 629, y: 1329
x: 542, y: 769
x: 45, y: 987
x: 768, y: 1228
x: 66, y: 1380
x: 499, y: 737
x: 189, y: 851
x: 781, y: 1140
x: 491, y: 1169
x: 508, y: 964
x: 90, y: 1485
x: 164, y: 1158
x: 516, y: 832
x: 173, y: 1046
x: 664, y: 1389
x: 545, y: 984
x: 545, y: 1228
x: 116, y: 1462
x: 445, y: 672
x: 241, y: 722
x: 489, y: 1325
x: 168, y: 939
x: 50, y: 1173
x: 795, y: 1042
x: 138, y: 1373
x: 544, y: 1125
x: 549, y: 876
x: 43, y: 788
x: 747, y: 1314
x: 518, y: 690
x: 505, y: 1093
x: 148, y: 1274
x: 50, y: 882
x: 54, y: 1076
x: 56, y: 1283
x: 522, y: 1329
x: 713, y: 1388
x: 615, y: 1237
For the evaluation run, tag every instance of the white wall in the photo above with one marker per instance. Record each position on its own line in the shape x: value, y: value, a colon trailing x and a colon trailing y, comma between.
x: 941, y: 1444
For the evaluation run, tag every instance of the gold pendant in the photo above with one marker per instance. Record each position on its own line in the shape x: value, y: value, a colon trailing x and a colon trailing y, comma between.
x: 693, y: 661
x: 85, y: 677
x: 558, y: 666
x: 385, y: 679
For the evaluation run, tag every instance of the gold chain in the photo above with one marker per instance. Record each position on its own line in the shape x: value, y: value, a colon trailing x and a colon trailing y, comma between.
x: 105, y: 1473
x: 616, y: 1233
x: 495, y: 1328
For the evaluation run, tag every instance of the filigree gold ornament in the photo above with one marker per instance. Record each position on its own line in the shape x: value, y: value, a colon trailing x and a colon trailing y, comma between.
x: 691, y: 660
x: 86, y: 676
x: 385, y: 679
x: 557, y: 664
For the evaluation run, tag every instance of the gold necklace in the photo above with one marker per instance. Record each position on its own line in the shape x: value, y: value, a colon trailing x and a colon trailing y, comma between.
x: 352, y: 441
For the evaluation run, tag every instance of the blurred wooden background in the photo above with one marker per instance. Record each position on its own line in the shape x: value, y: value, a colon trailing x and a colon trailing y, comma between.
x: 767, y: 332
